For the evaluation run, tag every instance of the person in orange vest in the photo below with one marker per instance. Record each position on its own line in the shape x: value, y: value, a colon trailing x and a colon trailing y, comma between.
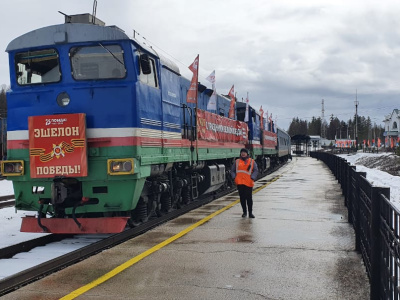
x: 245, y: 172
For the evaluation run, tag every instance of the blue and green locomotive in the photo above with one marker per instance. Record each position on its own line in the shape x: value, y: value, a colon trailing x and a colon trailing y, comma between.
x: 99, y: 132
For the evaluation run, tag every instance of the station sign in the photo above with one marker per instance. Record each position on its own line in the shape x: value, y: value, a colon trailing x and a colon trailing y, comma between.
x: 57, y: 146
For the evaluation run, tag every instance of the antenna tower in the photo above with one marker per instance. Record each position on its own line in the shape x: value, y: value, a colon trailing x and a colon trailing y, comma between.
x: 94, y: 11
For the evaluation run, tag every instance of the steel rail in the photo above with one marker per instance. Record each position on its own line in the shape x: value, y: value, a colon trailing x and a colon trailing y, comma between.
x: 10, y: 251
x: 4, y: 201
x: 7, y: 197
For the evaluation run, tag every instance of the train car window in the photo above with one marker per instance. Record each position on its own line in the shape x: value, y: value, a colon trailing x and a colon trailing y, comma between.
x: 145, y: 65
x: 42, y: 66
x: 147, y: 76
x: 97, y: 62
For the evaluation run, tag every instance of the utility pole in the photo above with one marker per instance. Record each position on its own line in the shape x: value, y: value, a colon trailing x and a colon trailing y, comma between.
x: 356, y: 103
x: 322, y: 120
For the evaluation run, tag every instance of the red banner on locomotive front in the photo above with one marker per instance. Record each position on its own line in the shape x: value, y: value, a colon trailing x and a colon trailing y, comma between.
x: 57, y: 146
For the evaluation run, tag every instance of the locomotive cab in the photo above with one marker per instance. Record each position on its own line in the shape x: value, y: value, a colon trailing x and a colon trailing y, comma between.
x: 63, y: 80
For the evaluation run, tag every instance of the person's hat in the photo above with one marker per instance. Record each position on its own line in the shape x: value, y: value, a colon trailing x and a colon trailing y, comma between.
x: 244, y: 150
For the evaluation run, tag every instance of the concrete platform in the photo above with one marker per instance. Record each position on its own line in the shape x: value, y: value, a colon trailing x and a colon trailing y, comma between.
x: 299, y: 246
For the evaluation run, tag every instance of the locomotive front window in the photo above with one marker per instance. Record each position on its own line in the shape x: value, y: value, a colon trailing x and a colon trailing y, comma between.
x: 97, y: 62
x: 41, y: 66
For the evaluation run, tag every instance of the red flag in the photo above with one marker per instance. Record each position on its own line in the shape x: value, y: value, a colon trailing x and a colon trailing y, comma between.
x: 261, y: 118
x: 232, y: 107
x: 232, y: 92
x: 191, y: 96
x: 270, y: 121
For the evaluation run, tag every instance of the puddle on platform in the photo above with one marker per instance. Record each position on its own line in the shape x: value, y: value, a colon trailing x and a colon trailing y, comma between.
x: 153, y: 237
x: 214, y: 206
x: 230, y: 197
x: 184, y: 221
x: 263, y: 181
x: 241, y: 239
x: 244, y: 274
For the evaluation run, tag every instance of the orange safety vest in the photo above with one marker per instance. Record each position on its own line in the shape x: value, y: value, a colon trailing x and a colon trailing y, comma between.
x: 243, y: 172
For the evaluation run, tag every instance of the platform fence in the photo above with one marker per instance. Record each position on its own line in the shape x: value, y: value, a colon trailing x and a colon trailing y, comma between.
x: 376, y: 224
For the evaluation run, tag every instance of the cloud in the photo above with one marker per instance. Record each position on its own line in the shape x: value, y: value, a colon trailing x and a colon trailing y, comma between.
x: 288, y: 55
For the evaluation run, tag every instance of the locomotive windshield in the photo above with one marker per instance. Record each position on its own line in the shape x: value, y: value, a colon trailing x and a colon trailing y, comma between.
x: 41, y: 66
x: 97, y: 62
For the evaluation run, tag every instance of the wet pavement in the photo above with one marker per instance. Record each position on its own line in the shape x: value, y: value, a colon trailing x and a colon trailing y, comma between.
x: 299, y: 246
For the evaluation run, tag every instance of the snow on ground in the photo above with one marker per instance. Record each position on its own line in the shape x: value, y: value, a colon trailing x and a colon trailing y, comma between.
x: 377, y: 167
x: 6, y: 187
x: 10, y: 221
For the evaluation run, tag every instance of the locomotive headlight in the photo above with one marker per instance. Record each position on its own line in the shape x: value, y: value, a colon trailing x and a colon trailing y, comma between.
x: 63, y: 99
x: 12, y: 167
x: 123, y: 166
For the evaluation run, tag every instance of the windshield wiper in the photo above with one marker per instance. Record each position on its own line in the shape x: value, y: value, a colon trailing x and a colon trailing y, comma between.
x: 112, y: 54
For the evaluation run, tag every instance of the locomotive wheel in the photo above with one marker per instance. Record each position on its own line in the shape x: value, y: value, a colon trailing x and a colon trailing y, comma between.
x: 166, y: 204
x: 186, y: 195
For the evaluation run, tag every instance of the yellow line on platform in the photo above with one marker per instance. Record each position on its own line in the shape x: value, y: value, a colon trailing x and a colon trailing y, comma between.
x: 141, y: 256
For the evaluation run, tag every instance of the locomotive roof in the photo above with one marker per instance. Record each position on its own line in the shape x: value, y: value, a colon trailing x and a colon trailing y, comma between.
x: 76, y: 33
x: 66, y: 33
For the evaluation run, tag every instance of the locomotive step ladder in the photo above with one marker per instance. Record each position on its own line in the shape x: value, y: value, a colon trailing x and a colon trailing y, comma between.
x: 195, y: 189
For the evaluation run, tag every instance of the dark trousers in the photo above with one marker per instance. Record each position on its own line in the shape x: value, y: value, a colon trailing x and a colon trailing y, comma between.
x: 246, y: 196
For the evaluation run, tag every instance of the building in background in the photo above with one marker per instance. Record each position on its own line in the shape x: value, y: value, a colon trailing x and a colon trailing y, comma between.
x: 317, y: 142
x: 392, y: 132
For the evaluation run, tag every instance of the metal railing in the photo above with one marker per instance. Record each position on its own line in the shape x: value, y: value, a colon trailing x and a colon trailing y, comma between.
x: 376, y: 223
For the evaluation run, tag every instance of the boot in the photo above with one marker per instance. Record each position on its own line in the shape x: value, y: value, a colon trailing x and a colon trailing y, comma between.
x: 251, y: 215
x: 244, y: 214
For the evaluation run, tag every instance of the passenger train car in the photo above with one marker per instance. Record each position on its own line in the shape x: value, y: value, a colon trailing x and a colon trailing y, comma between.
x: 100, y: 134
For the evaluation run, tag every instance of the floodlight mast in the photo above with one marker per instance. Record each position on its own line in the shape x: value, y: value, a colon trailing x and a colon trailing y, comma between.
x: 356, y: 103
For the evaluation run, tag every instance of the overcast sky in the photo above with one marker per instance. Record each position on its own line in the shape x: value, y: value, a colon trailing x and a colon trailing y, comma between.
x: 289, y: 55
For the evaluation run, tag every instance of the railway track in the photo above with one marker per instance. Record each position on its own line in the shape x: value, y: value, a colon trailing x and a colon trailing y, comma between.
x: 10, y: 251
x: 7, y: 201
x: 22, y: 278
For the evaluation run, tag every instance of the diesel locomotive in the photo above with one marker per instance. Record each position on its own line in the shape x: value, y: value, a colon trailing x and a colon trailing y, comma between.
x: 99, y: 133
